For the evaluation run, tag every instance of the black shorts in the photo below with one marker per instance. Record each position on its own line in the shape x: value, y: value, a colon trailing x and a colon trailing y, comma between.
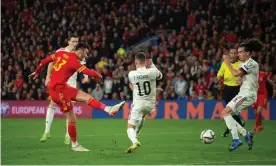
x: 229, y: 92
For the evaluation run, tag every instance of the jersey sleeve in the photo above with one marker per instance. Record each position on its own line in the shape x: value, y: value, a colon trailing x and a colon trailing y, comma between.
x: 248, y: 67
x: 155, y: 73
x: 130, y: 77
x: 45, y: 61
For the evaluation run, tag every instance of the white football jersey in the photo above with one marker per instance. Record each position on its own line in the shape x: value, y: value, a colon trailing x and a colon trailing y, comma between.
x: 72, y: 81
x: 144, y: 83
x: 250, y: 79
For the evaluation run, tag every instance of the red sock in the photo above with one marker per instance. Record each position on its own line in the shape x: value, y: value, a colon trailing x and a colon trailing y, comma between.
x: 72, y: 130
x: 96, y: 104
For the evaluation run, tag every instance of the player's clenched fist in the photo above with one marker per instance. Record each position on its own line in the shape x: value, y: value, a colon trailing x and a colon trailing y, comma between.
x: 226, y: 59
x: 34, y: 75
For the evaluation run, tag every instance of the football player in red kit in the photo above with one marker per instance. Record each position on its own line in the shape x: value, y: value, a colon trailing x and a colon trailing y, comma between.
x: 65, y: 65
x: 259, y: 105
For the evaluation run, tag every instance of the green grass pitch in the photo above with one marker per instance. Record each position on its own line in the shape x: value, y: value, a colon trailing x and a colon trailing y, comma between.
x: 163, y: 142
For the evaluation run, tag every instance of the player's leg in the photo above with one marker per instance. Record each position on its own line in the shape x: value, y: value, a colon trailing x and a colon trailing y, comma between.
x: 228, y: 94
x: 258, y: 121
x: 71, y: 123
x: 237, y: 117
x: 139, y: 126
x: 237, y: 104
x: 231, y: 125
x: 226, y: 97
x: 134, y: 117
x: 72, y: 130
x: 259, y: 107
x: 49, y: 119
x: 66, y: 106
x: 111, y: 110
x: 141, y: 122
x: 67, y: 139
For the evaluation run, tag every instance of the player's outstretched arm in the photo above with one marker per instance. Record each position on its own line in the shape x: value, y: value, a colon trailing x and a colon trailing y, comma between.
x: 42, y: 63
x: 91, y: 72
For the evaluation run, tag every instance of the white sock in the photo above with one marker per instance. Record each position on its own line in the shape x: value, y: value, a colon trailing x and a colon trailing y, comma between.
x: 231, y: 124
x: 74, y: 144
x: 107, y: 109
x: 140, y: 125
x: 241, y: 130
x: 49, y: 118
x: 132, y: 135
x: 67, y: 134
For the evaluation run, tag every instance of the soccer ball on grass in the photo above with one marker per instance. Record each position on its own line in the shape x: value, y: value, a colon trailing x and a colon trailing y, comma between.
x: 207, y: 136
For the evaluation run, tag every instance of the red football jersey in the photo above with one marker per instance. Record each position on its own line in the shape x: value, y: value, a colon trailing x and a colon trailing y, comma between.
x: 65, y: 65
x: 263, y: 76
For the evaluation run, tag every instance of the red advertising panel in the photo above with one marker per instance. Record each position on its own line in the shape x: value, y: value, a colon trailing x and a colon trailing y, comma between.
x: 37, y: 109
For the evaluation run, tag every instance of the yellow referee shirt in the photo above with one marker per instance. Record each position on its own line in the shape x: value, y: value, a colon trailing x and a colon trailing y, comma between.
x: 228, y: 78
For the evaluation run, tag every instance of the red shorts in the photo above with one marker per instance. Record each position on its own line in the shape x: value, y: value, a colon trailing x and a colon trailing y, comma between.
x: 261, y: 101
x: 63, y: 95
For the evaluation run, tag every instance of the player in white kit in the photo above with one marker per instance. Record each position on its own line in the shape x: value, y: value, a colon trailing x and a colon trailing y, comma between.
x: 248, y: 71
x: 72, y: 43
x: 143, y: 81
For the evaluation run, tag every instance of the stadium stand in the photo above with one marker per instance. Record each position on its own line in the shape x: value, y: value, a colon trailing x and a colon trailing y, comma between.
x: 190, y: 37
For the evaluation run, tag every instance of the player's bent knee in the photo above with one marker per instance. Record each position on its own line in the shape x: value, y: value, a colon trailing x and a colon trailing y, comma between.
x: 131, y: 124
x: 226, y: 111
x: 71, y: 117
x: 260, y: 109
x: 82, y: 96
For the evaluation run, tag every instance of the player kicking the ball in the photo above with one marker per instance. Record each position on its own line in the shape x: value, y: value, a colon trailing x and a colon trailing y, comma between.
x: 72, y: 43
x: 66, y: 64
x: 143, y: 81
x: 248, y: 91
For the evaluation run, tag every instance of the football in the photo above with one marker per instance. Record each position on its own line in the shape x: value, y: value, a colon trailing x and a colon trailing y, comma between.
x: 207, y: 136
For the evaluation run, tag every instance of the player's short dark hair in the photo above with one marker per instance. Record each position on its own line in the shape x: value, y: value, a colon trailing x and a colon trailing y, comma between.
x: 82, y: 45
x: 72, y: 36
x: 252, y: 45
x: 141, y: 56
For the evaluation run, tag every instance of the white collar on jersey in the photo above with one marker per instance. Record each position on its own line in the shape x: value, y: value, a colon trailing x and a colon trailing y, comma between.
x: 67, y: 50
